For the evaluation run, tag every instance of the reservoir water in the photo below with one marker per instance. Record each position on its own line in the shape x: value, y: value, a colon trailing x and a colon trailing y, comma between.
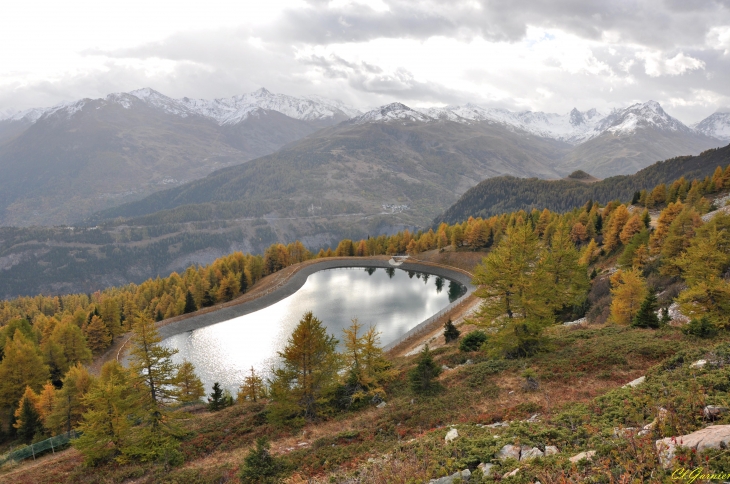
x: 393, y: 300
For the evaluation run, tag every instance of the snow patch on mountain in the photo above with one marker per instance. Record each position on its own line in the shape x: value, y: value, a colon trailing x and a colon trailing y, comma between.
x: 223, y: 111
x: 716, y: 125
x: 392, y: 112
x: 573, y: 127
x: 640, y: 116
x: 237, y: 108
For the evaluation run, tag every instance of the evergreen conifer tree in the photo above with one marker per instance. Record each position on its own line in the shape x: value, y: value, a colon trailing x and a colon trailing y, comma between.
x: 243, y: 283
x: 259, y: 466
x: 28, y: 419
x: 422, y: 378
x: 450, y: 332
x: 646, y: 317
x: 190, y: 306
x: 216, y: 401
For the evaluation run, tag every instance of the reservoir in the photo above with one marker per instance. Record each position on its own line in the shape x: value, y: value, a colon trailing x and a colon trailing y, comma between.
x: 391, y: 299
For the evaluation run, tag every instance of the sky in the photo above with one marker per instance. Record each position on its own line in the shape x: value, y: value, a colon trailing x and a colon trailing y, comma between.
x: 535, y: 55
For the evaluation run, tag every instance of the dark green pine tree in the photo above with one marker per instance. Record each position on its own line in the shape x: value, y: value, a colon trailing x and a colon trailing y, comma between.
x: 646, y: 218
x: 450, y: 332
x: 259, y: 466
x: 646, y: 317
x: 423, y: 377
x: 190, y: 306
x: 207, y: 300
x: 244, y: 282
x: 216, y: 400
x: 30, y: 422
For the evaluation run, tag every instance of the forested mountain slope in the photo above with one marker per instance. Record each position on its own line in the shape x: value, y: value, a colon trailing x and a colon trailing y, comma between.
x: 504, y: 194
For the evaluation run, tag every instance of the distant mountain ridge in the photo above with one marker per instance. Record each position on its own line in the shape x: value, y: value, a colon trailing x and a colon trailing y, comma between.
x: 62, y: 163
x: 508, y: 194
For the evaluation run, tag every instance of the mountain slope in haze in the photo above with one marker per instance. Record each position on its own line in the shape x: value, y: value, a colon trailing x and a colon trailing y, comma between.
x: 61, y: 164
x: 392, y: 156
x: 507, y: 194
x: 632, y: 139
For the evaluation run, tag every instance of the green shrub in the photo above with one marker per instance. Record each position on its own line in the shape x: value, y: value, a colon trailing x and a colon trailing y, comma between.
x: 473, y: 341
x: 702, y: 328
x: 260, y: 466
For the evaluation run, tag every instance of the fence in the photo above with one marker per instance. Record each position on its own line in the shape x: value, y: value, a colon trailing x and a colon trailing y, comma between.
x: 424, y: 326
x: 38, y: 448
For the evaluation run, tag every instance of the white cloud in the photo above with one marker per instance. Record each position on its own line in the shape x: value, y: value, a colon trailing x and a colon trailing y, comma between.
x: 719, y: 38
x: 656, y: 64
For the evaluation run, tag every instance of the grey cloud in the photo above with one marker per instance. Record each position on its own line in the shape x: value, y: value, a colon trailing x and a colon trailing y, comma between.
x: 655, y: 23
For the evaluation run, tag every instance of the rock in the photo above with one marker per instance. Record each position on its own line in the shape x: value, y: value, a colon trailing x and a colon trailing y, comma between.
x: 577, y: 322
x: 624, y: 432
x: 635, y: 383
x: 451, y: 435
x: 445, y: 368
x: 381, y: 405
x: 533, y: 419
x: 530, y: 453
x: 698, y: 364
x: 712, y: 437
x: 497, y: 424
x: 468, y: 362
x: 463, y: 476
x: 551, y: 450
x: 587, y: 455
x: 486, y: 469
x: 509, y: 452
x: 510, y: 474
x: 712, y: 412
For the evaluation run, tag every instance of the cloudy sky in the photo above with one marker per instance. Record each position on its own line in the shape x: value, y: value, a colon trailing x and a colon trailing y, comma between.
x: 518, y: 54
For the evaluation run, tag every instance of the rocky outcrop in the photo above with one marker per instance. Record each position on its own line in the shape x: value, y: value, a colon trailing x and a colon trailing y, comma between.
x: 530, y: 453
x: 587, y: 455
x: 509, y: 452
x: 635, y: 383
x: 462, y: 476
x: 451, y: 435
x: 712, y: 437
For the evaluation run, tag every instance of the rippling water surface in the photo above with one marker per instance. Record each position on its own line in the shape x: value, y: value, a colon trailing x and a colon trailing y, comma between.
x: 391, y: 299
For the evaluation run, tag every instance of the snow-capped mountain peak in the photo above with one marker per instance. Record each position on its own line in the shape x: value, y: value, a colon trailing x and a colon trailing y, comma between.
x: 223, y: 111
x: 716, y: 125
x: 392, y: 112
x: 640, y: 116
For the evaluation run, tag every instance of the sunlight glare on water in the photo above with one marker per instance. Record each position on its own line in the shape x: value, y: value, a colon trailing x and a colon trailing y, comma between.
x: 386, y: 298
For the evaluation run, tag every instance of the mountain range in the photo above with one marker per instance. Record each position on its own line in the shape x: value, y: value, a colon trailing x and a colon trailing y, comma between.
x: 134, y: 154
x: 63, y: 163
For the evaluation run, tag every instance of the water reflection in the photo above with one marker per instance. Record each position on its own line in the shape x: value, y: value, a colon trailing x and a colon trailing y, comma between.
x: 391, y: 299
